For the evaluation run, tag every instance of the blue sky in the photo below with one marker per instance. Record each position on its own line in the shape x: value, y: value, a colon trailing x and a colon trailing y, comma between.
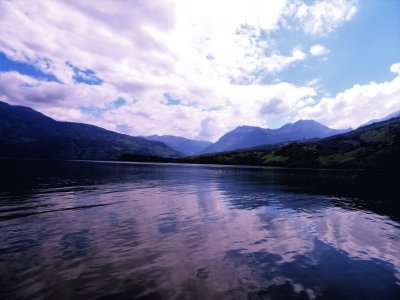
x: 360, y: 51
x: 200, y: 68
x: 7, y: 65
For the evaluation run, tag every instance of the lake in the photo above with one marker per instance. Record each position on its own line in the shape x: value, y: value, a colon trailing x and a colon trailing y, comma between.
x: 98, y: 230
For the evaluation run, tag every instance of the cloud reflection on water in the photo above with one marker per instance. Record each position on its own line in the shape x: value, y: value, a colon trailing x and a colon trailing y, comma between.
x: 187, y: 232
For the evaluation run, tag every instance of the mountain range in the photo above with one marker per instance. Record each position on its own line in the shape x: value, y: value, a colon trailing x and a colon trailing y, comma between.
x: 390, y: 116
x: 371, y: 146
x: 248, y: 136
x: 25, y: 132
x: 181, y: 144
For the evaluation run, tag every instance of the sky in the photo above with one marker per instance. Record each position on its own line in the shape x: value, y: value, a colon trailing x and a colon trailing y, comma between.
x: 198, y: 69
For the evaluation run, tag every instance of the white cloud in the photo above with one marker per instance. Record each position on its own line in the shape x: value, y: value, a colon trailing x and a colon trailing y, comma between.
x: 395, y: 68
x: 324, y: 16
x: 197, y: 51
x: 211, y: 55
x: 26, y: 90
x: 142, y: 42
x: 318, y: 50
x: 233, y: 105
x: 312, y: 82
x: 357, y: 105
x: 230, y: 106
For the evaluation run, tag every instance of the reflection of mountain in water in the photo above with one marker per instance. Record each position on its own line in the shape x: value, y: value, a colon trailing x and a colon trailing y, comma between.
x: 370, y: 191
x: 374, y: 192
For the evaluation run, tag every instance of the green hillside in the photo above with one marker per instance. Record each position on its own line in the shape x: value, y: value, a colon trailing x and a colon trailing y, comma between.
x: 26, y: 133
x: 372, y: 146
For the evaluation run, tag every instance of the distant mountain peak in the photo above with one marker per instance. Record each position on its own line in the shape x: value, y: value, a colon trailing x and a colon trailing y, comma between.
x: 305, y: 123
x: 181, y: 144
x: 374, y: 147
x: 251, y: 136
x: 247, y: 128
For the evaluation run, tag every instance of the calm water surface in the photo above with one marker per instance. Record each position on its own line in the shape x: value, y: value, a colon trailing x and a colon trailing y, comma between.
x: 89, y: 230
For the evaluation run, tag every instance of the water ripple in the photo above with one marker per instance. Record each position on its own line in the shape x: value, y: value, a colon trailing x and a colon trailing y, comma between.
x: 76, y: 230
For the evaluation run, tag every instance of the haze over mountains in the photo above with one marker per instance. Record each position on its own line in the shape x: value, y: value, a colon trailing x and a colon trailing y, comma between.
x: 248, y: 136
x: 181, y: 144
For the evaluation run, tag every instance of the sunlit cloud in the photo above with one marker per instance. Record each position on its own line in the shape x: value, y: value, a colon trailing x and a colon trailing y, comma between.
x: 318, y: 50
x: 324, y: 16
x: 220, y: 62
x: 357, y: 105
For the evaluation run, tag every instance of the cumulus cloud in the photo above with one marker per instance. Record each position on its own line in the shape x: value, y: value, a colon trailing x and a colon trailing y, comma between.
x: 211, y: 55
x: 207, y: 128
x: 274, y: 107
x: 233, y: 105
x: 209, y: 58
x: 28, y: 90
x: 324, y: 16
x: 318, y: 50
x: 395, y: 68
x: 357, y: 105
x: 141, y: 42
x: 312, y: 82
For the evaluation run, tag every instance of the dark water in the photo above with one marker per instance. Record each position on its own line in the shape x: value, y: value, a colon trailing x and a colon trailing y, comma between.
x: 85, y: 230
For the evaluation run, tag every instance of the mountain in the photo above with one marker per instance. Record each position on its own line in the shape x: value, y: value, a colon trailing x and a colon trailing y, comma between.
x: 390, y: 116
x: 247, y: 136
x: 183, y: 145
x: 372, y: 146
x: 25, y: 132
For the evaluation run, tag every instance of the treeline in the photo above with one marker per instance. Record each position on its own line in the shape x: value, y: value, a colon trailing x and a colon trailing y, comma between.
x: 376, y: 146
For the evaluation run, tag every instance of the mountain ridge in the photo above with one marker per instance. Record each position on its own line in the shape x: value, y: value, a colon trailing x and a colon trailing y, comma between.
x: 251, y: 136
x: 25, y: 132
x: 181, y: 144
x: 388, y: 117
x: 375, y: 146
